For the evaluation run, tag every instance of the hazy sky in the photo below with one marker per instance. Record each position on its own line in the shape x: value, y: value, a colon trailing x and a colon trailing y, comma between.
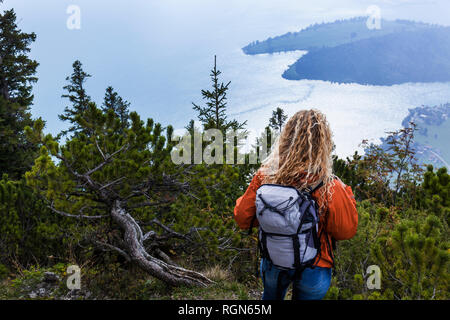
x: 157, y: 53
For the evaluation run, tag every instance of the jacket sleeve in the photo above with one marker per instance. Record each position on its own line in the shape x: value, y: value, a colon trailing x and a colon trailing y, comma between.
x: 245, y: 209
x: 342, y: 214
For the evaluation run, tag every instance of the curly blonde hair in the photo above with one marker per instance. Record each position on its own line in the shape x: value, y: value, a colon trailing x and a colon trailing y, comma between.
x: 301, y: 155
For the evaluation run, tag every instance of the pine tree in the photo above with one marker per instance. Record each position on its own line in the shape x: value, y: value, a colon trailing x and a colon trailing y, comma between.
x: 436, y: 192
x: 213, y: 115
x: 76, y: 93
x: 403, y: 161
x: 190, y: 127
x: 414, y: 257
x: 117, y: 105
x: 17, y: 153
x: 17, y: 70
x: 278, y: 119
x: 28, y: 231
x: 120, y: 184
x: 264, y: 143
x: 17, y: 73
x: 402, y: 224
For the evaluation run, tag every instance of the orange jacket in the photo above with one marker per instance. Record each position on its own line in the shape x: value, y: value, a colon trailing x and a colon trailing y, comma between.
x: 342, y: 217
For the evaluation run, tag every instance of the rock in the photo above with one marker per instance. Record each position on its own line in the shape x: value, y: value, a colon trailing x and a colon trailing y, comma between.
x: 51, y: 277
x: 74, y: 294
x: 32, y: 295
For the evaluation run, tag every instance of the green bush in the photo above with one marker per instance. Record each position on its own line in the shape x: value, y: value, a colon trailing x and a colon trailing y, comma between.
x: 28, y: 231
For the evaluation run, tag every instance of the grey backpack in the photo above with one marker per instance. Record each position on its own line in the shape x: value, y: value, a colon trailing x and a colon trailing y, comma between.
x: 288, y: 220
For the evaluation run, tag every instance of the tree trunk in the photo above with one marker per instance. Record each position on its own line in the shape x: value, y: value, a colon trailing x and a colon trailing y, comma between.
x: 4, y: 87
x: 133, y: 240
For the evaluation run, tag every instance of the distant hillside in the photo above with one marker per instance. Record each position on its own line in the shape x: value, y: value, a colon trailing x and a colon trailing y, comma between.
x: 431, y: 140
x: 414, y: 56
x: 428, y: 116
x: 330, y: 35
x: 433, y: 135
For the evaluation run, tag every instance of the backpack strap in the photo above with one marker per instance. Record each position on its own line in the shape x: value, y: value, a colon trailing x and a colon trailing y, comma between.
x: 263, y: 244
x: 296, y: 244
x: 316, y: 187
x: 251, y: 225
x: 329, y: 246
x: 276, y: 208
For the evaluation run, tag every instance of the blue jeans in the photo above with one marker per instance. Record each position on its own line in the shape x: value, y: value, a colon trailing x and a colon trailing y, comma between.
x: 313, y: 284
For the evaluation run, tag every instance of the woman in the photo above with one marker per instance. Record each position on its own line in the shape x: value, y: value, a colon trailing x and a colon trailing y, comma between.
x: 301, y: 157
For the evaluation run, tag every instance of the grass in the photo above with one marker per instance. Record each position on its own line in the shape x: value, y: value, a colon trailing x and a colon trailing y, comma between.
x: 115, y: 282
